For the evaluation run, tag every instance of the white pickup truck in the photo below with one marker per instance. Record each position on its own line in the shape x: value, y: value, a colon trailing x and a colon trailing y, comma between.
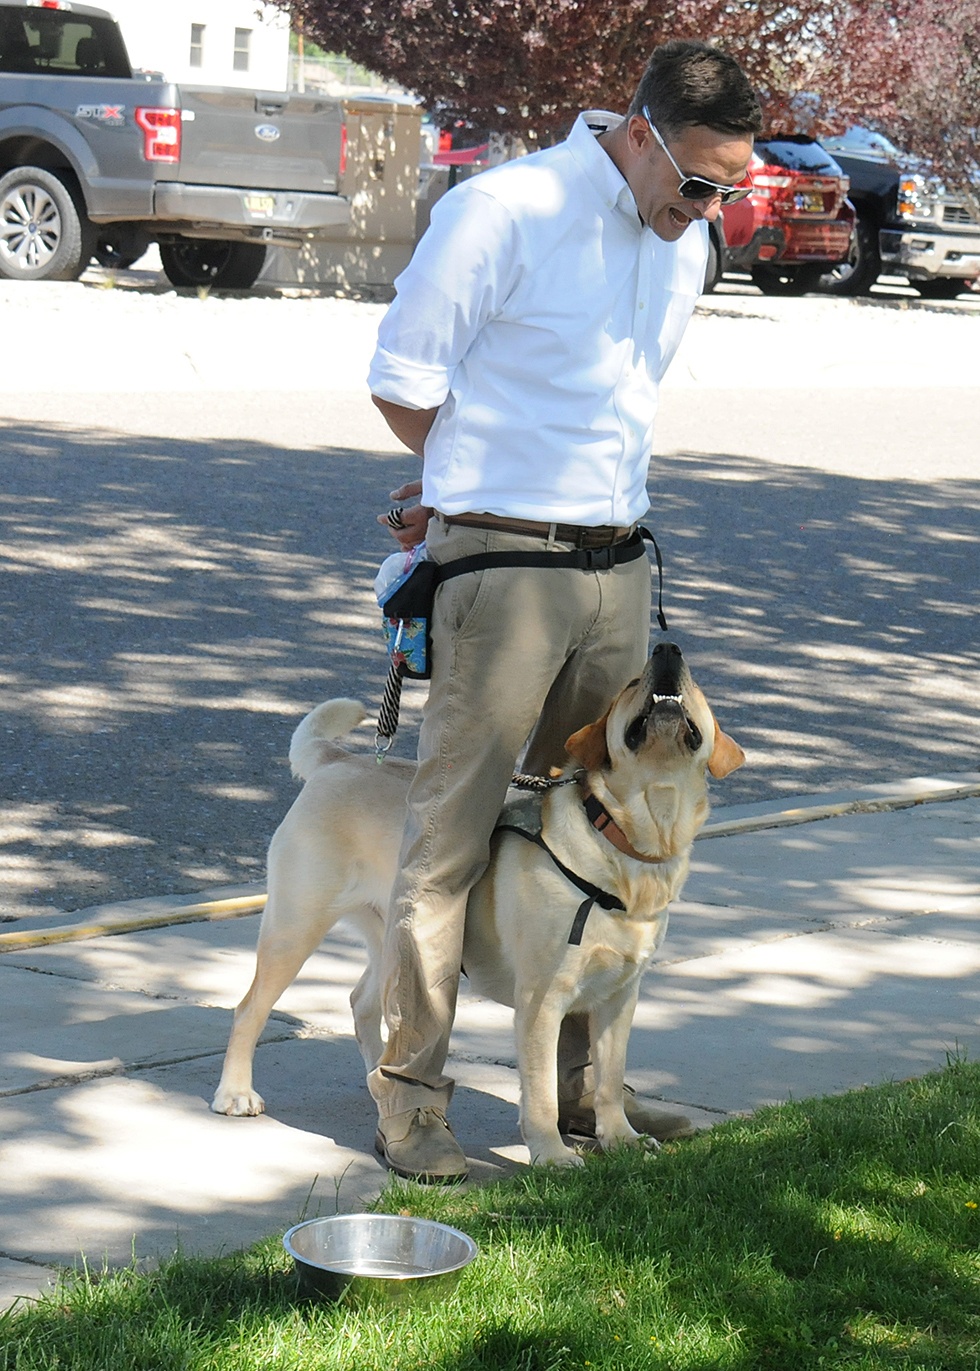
x: 97, y: 160
x: 907, y: 223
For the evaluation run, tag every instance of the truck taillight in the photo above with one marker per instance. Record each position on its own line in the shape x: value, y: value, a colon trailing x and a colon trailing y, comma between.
x: 161, y: 134
x: 343, y: 148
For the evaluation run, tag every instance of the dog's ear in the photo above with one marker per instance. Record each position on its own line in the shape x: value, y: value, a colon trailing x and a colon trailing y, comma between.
x: 726, y: 755
x: 588, y: 745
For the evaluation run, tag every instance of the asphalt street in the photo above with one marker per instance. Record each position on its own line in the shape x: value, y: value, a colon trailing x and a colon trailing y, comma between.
x: 186, y: 565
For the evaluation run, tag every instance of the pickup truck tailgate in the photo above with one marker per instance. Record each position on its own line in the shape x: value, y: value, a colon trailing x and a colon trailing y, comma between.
x: 242, y: 138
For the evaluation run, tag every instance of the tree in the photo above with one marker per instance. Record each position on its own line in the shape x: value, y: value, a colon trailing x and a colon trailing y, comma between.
x: 526, y: 67
x: 939, y: 109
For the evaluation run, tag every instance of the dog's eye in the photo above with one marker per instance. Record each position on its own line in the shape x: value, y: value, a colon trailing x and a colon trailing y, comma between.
x: 636, y: 733
x: 694, y: 735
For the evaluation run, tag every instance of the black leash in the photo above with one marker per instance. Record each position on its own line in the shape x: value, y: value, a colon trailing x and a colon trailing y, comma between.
x: 593, y: 893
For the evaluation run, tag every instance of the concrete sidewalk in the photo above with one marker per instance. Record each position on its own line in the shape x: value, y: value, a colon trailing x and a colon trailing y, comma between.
x: 814, y: 951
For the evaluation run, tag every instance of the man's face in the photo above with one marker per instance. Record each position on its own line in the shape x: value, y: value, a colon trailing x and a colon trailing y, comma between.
x: 698, y: 151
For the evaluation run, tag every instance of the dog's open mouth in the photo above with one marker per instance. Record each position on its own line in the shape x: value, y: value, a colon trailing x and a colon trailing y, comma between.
x: 662, y: 713
x: 664, y: 716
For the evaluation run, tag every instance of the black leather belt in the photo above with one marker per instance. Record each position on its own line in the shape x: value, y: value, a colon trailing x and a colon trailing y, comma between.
x: 579, y: 535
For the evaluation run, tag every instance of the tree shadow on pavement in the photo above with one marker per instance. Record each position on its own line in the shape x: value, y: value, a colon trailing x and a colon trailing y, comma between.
x: 173, y: 608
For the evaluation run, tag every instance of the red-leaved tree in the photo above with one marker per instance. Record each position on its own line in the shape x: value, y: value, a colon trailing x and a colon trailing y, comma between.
x: 938, y: 108
x: 909, y: 67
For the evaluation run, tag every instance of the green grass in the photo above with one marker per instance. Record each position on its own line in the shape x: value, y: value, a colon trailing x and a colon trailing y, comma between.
x: 840, y: 1232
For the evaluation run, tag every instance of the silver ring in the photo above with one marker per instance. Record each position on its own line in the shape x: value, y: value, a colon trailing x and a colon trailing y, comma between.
x: 394, y: 517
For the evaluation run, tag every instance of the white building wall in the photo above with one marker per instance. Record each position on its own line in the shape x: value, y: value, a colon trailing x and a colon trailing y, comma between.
x: 158, y: 37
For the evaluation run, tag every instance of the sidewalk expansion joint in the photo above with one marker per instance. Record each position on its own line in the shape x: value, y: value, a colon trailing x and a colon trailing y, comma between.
x: 35, y: 1262
x: 74, y: 1078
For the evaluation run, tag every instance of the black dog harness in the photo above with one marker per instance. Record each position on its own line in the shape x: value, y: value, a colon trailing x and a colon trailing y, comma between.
x: 593, y: 894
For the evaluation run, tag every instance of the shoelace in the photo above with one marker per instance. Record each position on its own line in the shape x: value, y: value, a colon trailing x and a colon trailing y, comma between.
x: 428, y: 1114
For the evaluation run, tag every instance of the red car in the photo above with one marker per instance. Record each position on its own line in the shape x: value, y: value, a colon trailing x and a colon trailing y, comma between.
x: 795, y: 225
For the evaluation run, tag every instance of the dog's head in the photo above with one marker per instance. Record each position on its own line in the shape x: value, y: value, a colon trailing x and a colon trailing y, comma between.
x: 661, y: 717
x: 657, y: 740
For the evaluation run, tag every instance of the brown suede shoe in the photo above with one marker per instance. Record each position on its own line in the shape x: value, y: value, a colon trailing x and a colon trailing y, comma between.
x: 577, y: 1118
x: 420, y: 1146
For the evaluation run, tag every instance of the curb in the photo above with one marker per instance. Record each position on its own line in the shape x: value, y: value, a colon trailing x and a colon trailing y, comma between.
x: 207, y: 911
x: 788, y: 818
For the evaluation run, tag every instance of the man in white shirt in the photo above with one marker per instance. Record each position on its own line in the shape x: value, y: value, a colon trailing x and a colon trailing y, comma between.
x: 521, y: 359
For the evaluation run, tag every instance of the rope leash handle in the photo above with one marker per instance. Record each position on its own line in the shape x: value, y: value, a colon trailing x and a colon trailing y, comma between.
x: 389, y: 711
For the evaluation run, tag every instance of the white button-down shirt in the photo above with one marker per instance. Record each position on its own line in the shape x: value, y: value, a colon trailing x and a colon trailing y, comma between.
x: 539, y: 314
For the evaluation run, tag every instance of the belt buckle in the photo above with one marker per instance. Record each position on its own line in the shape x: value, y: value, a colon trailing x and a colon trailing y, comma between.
x: 598, y: 558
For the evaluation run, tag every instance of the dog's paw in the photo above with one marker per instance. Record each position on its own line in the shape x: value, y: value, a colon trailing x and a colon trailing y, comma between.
x: 626, y: 1137
x: 238, y: 1104
x: 555, y: 1156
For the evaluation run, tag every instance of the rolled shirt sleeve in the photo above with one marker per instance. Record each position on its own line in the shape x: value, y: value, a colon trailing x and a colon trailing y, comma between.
x: 536, y: 319
x: 462, y: 271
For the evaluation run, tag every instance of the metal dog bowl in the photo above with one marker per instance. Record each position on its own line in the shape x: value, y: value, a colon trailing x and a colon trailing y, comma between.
x: 394, y: 1256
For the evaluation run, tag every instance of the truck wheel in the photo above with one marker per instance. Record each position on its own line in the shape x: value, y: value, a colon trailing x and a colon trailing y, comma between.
x: 941, y: 288
x: 862, y: 265
x: 220, y: 265
x: 777, y: 280
x: 713, y: 272
x: 44, y: 234
x: 118, y: 247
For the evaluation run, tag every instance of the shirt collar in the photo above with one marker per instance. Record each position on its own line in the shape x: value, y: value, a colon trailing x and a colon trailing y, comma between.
x: 595, y: 162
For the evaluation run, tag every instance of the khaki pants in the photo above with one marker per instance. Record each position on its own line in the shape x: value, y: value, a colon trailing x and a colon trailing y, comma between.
x: 517, y: 653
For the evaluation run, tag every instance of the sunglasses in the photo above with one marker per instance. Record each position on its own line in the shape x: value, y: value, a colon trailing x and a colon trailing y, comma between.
x: 697, y: 187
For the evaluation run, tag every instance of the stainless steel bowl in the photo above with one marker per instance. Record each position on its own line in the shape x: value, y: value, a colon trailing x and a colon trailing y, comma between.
x: 396, y: 1257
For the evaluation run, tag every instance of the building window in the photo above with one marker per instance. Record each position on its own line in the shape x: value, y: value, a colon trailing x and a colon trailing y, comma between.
x: 242, y: 40
x: 197, y: 45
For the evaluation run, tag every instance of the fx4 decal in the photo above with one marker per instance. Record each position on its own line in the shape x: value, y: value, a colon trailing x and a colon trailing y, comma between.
x: 105, y: 114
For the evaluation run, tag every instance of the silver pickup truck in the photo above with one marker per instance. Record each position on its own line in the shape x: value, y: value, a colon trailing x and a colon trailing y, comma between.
x: 97, y: 160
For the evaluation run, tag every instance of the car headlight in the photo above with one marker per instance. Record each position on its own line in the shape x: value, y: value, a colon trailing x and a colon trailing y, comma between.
x: 914, y: 200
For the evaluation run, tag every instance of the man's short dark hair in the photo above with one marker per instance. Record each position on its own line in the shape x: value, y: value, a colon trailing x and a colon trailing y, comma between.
x: 694, y: 83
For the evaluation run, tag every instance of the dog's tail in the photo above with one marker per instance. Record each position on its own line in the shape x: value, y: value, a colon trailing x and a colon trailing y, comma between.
x: 311, y: 743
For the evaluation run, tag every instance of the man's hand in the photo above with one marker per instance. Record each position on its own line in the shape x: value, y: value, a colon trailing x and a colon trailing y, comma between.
x: 413, y: 521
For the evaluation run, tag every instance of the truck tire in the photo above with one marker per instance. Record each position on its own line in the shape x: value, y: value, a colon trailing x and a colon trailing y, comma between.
x: 211, y: 262
x: 713, y: 272
x: 777, y: 280
x: 862, y: 265
x: 119, y: 247
x: 45, y: 234
x: 941, y: 288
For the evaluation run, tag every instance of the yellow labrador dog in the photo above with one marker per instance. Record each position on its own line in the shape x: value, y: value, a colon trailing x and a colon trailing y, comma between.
x: 566, y: 918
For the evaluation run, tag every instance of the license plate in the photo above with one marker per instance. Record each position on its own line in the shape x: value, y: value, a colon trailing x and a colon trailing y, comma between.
x: 810, y: 202
x: 260, y: 204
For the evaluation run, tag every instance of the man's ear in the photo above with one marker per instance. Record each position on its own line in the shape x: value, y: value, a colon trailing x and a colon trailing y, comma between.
x: 588, y: 745
x: 726, y: 755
